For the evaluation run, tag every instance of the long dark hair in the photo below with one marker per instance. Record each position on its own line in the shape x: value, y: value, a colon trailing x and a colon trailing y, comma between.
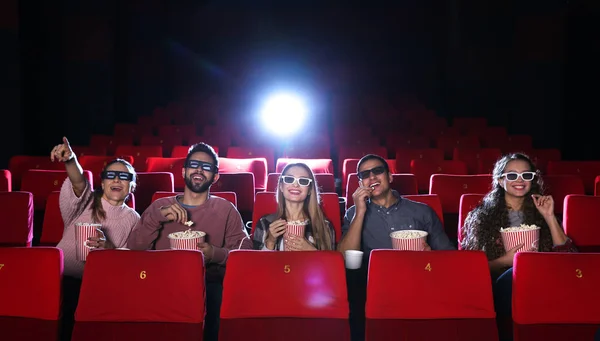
x: 95, y: 200
x: 311, y: 208
x: 481, y: 230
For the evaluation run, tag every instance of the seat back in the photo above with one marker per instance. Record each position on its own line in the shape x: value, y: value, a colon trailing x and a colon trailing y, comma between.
x: 307, y: 295
x: 53, y: 226
x: 424, y: 169
x: 173, y: 165
x: 401, y: 309
x: 538, y: 276
x: 264, y: 203
x: 17, y: 210
x: 582, y: 212
x: 5, y: 180
x: 41, y: 183
x: 243, y: 186
x: 31, y: 279
x: 140, y: 154
x: 150, y: 182
x: 253, y: 152
x: 431, y: 200
x: 405, y: 184
x: 124, y: 280
x: 587, y: 170
x: 559, y: 186
x: 256, y: 166
x: 19, y: 164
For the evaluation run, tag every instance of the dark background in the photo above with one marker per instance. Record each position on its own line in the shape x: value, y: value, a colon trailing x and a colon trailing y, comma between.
x: 71, y: 67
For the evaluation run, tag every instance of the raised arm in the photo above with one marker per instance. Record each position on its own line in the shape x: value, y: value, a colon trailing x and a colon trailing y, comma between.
x: 63, y: 153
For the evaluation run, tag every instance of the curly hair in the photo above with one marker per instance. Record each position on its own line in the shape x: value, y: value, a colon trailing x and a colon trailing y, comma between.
x: 481, y: 230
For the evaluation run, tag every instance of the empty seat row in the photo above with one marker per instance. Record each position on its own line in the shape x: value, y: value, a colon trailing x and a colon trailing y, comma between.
x: 309, y: 292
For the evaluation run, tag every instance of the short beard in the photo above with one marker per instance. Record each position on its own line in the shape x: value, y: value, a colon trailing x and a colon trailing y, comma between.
x: 198, y: 188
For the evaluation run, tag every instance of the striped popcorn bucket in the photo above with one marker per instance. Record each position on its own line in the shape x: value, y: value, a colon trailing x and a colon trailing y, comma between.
x: 408, y: 244
x: 529, y: 238
x: 185, y: 243
x: 83, y: 231
x: 294, y: 229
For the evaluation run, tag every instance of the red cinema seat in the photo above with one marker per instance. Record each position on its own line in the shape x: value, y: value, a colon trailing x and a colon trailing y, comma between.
x: 243, y: 186
x: 5, y: 180
x: 424, y: 169
x: 41, y: 183
x: 253, y: 152
x: 559, y: 186
x: 330, y: 204
x: 150, y: 182
x: 399, y: 309
x: 256, y: 166
x: 405, y: 155
x: 31, y: 280
x: 124, y: 280
x: 166, y: 142
x: 450, y: 188
x: 17, y: 226
x: 264, y: 203
x: 581, y: 212
x: 307, y: 297
x: 54, y: 226
x: 169, y: 165
x: 20, y: 164
x: 571, y: 315
x: 140, y: 154
x: 110, y: 143
x: 587, y: 170
x: 431, y: 200
x: 478, y: 160
x: 186, y: 132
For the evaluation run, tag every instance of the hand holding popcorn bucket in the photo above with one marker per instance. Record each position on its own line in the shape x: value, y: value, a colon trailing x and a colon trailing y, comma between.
x: 409, y: 240
x: 528, y: 235
x: 296, y: 228
x: 186, y: 240
x: 83, y: 231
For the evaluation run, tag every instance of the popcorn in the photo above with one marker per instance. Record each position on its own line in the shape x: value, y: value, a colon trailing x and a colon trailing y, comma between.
x: 298, y: 222
x: 523, y: 227
x: 408, y: 234
x: 189, y: 234
x: 188, y: 223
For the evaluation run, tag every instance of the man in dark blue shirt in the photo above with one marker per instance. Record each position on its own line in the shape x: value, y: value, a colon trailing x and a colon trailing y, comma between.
x: 378, y: 211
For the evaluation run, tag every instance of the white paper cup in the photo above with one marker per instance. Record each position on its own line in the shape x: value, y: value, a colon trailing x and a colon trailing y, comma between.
x: 529, y: 238
x: 408, y: 244
x: 186, y: 243
x: 353, y: 259
x: 83, y: 231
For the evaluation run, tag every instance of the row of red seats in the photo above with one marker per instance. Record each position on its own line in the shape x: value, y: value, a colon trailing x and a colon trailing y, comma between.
x: 308, y: 293
x: 451, y: 203
x: 421, y: 162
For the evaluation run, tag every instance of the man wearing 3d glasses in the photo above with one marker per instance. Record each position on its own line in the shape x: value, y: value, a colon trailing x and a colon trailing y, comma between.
x: 197, y: 210
x: 378, y: 211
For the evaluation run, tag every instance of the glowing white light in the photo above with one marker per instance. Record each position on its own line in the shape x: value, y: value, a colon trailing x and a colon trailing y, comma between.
x: 284, y: 114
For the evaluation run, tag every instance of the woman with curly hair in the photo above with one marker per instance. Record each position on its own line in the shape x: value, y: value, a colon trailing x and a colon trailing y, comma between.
x: 517, y: 197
